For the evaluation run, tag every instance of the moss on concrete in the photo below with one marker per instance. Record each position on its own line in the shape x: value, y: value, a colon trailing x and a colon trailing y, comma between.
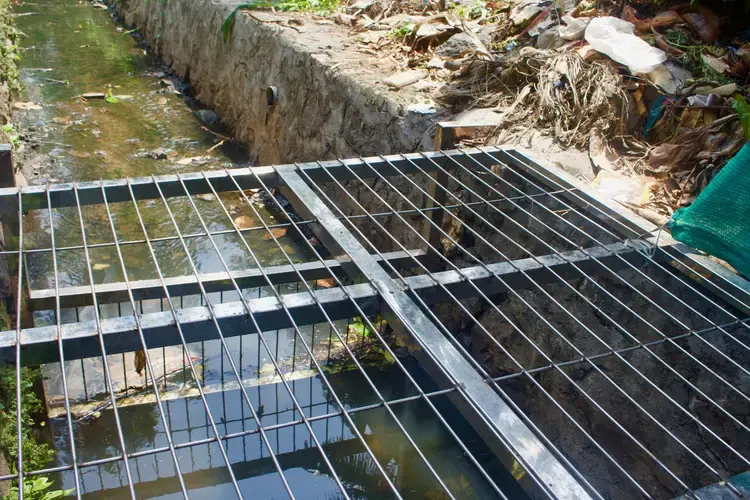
x: 9, y: 52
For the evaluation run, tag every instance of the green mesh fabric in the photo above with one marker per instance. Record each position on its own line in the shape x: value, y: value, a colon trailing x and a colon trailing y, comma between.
x: 718, y: 221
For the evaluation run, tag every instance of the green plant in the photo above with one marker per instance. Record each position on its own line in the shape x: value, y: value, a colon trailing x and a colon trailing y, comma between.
x: 743, y: 110
x: 692, y: 58
x: 476, y: 10
x: 36, y: 489
x: 35, y: 455
x: 111, y: 98
x: 359, y: 327
x: 401, y: 31
x: 13, y: 137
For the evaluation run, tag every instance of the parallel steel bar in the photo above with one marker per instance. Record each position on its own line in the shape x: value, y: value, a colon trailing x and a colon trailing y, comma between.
x: 730, y: 286
x: 274, y: 360
x: 670, y: 247
x: 546, y: 321
x: 369, y: 380
x: 61, y: 195
x: 225, y: 348
x: 248, y: 230
x: 735, y: 281
x: 611, y: 272
x: 505, y: 420
x: 410, y: 378
x: 462, y: 349
x: 598, y: 338
x: 60, y: 353
x: 311, y: 354
x: 176, y: 323
x: 103, y: 347
x: 149, y: 364
x: 19, y: 314
x: 80, y: 296
x: 158, y: 327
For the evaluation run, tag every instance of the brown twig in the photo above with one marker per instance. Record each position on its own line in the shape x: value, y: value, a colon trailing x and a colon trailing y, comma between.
x: 222, y: 137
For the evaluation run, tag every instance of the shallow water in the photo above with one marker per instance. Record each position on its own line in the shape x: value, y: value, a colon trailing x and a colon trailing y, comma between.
x: 71, y: 49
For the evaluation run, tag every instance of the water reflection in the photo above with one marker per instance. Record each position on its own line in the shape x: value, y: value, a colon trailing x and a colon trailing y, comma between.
x: 206, y: 475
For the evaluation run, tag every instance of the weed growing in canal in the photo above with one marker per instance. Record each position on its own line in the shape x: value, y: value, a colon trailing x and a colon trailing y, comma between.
x: 111, y: 98
x: 35, y: 455
x: 36, y: 489
x: 9, y: 131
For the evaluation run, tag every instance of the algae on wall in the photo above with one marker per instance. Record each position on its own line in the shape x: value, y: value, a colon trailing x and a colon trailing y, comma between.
x: 10, y: 84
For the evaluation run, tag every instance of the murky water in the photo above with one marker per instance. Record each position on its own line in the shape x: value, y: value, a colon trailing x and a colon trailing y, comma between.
x: 206, y: 476
x: 73, y: 48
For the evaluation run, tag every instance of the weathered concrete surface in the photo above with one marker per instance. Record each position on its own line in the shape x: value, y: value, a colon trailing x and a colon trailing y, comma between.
x: 330, y: 104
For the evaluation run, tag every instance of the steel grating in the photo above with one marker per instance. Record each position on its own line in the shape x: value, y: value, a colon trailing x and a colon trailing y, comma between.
x: 594, y: 356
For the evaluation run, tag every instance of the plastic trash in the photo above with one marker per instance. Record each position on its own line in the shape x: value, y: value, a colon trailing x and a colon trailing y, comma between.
x: 575, y: 27
x: 614, y: 38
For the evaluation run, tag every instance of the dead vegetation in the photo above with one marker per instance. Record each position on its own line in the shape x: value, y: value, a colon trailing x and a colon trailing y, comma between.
x: 532, y: 63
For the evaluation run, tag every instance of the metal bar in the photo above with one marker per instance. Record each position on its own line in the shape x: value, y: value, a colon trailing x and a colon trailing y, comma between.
x: 317, y: 366
x: 58, y: 342
x: 80, y: 296
x: 567, y: 341
x: 405, y: 372
x: 729, y: 286
x: 247, y: 230
x: 102, y: 346
x: 158, y: 327
x: 658, y: 307
x: 413, y: 320
x: 179, y: 330
x: 149, y: 364
x: 462, y: 349
x: 628, y: 334
x: 90, y: 193
x: 5, y: 158
x: 274, y: 360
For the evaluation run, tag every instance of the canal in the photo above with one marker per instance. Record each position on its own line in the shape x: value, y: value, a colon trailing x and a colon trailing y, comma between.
x: 108, y: 109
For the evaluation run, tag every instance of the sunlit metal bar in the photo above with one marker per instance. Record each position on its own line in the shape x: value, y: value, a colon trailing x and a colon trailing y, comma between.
x: 536, y: 312
x: 80, y: 296
x: 494, y: 415
x: 121, y: 333
x: 696, y: 265
x: 90, y: 193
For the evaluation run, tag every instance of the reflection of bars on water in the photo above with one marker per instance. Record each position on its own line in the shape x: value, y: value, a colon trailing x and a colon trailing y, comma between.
x: 553, y: 289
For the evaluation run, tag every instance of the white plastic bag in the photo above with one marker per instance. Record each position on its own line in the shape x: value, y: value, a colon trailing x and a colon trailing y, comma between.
x: 614, y: 38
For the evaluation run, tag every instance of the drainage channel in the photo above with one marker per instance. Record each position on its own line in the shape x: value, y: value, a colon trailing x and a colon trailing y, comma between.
x: 479, y: 326
x: 110, y: 110
x: 586, y: 356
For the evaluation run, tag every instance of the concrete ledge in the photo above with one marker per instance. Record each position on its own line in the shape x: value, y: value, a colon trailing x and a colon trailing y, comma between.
x: 330, y: 100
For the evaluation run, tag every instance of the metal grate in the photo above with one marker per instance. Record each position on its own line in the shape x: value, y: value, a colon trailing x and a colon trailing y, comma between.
x: 593, y: 355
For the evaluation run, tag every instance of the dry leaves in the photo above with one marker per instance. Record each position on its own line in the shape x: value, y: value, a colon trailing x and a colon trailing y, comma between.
x: 277, y: 232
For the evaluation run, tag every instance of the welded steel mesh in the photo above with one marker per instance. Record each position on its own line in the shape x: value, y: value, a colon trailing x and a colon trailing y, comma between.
x: 533, y: 324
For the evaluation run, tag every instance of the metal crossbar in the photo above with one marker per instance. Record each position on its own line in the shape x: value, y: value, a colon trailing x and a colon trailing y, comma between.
x: 589, y: 357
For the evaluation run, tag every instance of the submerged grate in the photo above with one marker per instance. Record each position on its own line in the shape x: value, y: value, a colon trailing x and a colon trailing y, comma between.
x: 591, y: 354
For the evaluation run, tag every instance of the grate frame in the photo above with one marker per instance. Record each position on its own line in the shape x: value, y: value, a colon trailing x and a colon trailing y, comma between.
x: 405, y: 298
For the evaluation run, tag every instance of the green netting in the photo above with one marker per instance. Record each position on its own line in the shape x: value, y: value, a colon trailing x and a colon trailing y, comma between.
x: 718, y: 221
